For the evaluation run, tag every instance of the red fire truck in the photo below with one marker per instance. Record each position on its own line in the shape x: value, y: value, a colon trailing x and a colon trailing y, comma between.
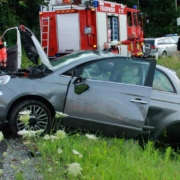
x: 67, y: 27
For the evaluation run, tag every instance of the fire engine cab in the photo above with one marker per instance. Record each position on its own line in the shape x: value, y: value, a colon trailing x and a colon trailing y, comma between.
x: 72, y: 26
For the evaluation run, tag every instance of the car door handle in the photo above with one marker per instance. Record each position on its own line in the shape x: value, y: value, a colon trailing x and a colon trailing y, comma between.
x: 138, y: 101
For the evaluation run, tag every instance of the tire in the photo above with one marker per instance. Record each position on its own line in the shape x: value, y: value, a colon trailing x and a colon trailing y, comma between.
x: 164, y: 54
x: 40, y: 116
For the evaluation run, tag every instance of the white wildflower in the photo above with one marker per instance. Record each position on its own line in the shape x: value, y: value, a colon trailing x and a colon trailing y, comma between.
x: 27, y: 142
x: 4, y: 154
x: 53, y: 138
x: 80, y: 155
x: 91, y: 136
x: 25, y: 161
x: 39, y: 132
x: 61, y: 134
x: 24, y: 117
x: 46, y: 137
x: 1, y: 136
x: 60, y: 115
x: 25, y: 112
x: 1, y: 172
x: 59, y: 151
x: 74, y: 169
x: 27, y: 133
x: 50, y: 170
x: 77, y: 153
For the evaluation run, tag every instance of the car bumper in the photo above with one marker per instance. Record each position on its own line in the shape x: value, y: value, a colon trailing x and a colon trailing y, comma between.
x: 6, y: 97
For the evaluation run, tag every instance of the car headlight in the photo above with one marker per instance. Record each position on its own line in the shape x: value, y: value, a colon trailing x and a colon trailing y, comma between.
x: 4, y: 79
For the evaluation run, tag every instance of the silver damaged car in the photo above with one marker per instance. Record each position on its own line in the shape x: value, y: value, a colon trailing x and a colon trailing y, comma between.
x: 100, y: 92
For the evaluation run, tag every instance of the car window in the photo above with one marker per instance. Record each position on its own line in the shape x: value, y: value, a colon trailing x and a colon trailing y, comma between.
x: 151, y: 42
x: 100, y: 70
x: 175, y: 38
x: 172, y: 41
x: 131, y: 75
x: 11, y: 38
x: 166, y: 41
x: 161, y: 82
x: 114, y: 70
x: 160, y: 41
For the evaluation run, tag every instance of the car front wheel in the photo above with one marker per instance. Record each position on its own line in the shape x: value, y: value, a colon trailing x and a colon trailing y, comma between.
x: 39, y: 117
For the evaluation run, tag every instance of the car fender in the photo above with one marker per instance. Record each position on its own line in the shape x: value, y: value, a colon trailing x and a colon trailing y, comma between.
x: 164, y: 123
x: 24, y: 96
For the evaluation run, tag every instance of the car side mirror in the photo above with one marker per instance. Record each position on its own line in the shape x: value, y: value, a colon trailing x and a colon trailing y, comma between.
x: 80, y: 88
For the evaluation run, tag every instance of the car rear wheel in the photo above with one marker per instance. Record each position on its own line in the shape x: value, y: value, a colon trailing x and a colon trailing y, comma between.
x: 164, y: 54
x: 40, y: 117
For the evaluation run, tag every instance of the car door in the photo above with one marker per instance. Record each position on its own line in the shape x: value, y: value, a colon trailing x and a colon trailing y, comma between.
x: 13, y: 46
x: 173, y: 45
x: 162, y: 47
x: 111, y: 95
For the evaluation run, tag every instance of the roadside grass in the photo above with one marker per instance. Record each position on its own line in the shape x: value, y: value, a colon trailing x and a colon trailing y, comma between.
x: 103, y: 158
x: 172, y: 62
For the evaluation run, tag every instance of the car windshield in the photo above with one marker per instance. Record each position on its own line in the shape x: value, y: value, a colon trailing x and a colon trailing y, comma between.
x: 67, y: 59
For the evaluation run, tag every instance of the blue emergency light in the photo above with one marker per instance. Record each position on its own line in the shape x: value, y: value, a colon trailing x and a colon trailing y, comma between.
x: 95, y: 4
x: 134, y: 6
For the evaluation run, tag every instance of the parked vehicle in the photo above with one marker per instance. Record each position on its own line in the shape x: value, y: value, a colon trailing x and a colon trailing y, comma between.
x: 99, y: 91
x: 173, y: 36
x: 162, y: 47
x: 176, y: 38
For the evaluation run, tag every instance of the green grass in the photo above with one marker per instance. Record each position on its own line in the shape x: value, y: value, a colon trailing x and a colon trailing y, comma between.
x: 105, y: 159
x: 171, y: 62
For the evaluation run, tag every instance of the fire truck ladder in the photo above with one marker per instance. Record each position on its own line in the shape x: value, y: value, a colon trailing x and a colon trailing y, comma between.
x: 45, y: 34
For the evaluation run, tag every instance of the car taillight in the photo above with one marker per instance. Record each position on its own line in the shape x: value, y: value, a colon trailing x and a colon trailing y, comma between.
x: 154, y: 47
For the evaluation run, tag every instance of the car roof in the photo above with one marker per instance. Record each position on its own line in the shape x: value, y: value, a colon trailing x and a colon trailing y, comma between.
x: 157, y: 38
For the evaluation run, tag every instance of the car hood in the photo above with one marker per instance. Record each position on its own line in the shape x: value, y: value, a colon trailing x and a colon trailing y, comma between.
x: 32, y: 47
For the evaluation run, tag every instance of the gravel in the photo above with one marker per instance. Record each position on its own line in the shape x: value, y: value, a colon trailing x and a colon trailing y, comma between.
x: 14, y: 161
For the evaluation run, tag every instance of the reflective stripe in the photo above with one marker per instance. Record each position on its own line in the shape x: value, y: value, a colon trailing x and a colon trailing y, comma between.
x: 131, y: 47
x: 138, y: 46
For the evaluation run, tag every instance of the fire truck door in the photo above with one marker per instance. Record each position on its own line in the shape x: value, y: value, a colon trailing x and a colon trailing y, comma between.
x: 113, y: 28
x: 101, y: 29
x: 123, y: 33
x: 68, y: 32
x: 13, y: 46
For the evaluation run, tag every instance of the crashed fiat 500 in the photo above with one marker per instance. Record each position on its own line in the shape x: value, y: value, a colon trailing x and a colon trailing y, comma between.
x: 99, y: 91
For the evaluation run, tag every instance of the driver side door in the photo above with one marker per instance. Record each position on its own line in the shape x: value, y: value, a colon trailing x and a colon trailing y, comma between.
x: 112, y: 96
x: 13, y: 46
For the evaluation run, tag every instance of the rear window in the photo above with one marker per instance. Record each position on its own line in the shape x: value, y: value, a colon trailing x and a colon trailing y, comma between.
x: 151, y: 42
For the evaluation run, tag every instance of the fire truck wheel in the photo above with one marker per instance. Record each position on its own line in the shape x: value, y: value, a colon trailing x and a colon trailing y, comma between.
x: 32, y: 115
x: 164, y: 54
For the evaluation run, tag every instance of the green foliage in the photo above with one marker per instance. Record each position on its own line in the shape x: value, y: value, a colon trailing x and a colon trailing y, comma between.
x: 163, y: 15
x: 171, y: 62
x: 15, y: 12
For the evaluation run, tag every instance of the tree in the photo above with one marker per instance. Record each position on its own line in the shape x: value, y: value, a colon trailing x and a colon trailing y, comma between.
x: 163, y: 15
